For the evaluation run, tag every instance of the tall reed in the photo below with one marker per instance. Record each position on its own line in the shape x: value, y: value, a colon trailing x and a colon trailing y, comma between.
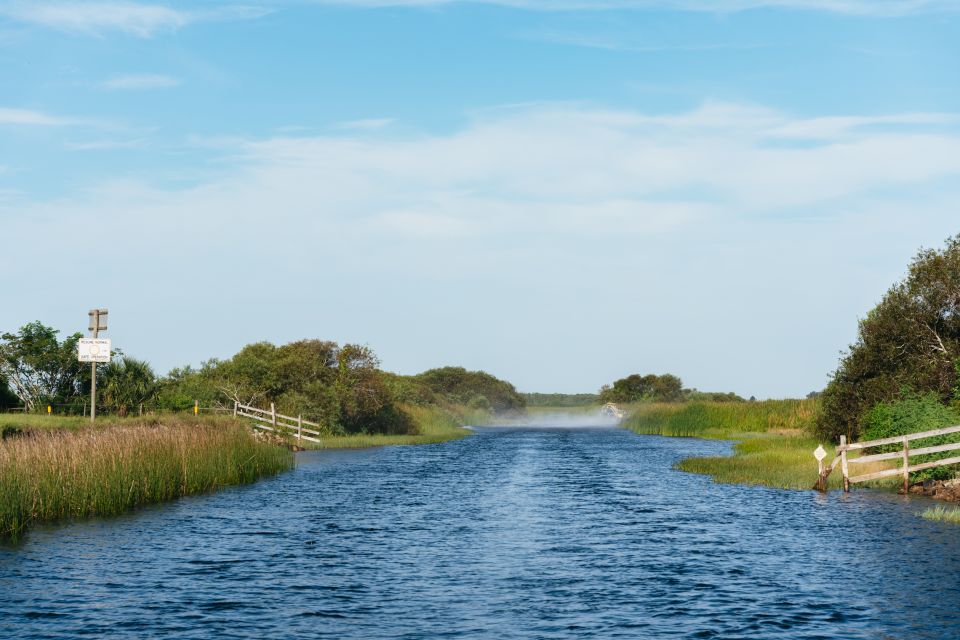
x: 721, y: 419
x: 51, y: 475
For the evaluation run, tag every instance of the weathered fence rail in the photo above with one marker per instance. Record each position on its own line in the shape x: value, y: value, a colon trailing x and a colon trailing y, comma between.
x: 277, y: 422
x: 904, y: 455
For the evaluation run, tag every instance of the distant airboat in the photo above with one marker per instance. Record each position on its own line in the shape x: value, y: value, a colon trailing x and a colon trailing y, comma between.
x: 612, y: 411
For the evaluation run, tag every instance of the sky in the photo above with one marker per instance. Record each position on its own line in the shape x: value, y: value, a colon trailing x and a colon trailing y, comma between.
x: 559, y: 192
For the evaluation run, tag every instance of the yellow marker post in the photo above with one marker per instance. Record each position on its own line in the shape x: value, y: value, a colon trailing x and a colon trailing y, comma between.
x: 49, y: 409
x: 196, y: 407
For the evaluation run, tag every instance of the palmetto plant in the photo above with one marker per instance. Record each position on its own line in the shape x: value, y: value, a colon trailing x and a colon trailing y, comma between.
x: 126, y: 383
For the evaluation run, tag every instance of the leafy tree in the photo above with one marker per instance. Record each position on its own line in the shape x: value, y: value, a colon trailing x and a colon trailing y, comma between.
x: 636, y: 388
x: 910, y: 340
x: 40, y: 368
x: 125, y: 383
x: 183, y: 386
x: 668, y: 388
x: 459, y: 386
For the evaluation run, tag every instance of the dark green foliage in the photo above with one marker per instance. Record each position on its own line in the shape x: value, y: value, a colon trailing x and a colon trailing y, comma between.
x: 911, y: 414
x: 459, y: 386
x: 39, y: 368
x: 637, y: 388
x: 910, y: 340
x: 126, y: 383
x: 8, y: 399
x: 184, y: 386
x: 561, y: 399
x: 692, y: 395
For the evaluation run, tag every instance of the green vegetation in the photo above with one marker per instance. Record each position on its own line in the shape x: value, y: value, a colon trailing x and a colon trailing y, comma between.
x: 561, y: 400
x: 476, y: 390
x: 776, y: 442
x: 911, y: 340
x: 654, y: 388
x: 723, y: 419
x: 910, y: 414
x: 638, y: 388
x: 774, y: 460
x: 338, y: 386
x: 941, y: 514
x: 40, y: 368
x: 51, y: 474
x: 432, y: 426
x: 776, y: 447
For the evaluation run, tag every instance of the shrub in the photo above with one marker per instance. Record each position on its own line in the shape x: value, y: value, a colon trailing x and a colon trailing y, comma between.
x: 911, y: 414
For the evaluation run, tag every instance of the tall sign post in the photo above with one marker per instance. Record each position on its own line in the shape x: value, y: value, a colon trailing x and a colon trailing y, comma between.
x: 93, y: 350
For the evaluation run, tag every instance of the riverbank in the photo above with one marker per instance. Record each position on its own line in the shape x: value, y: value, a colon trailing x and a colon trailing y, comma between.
x: 50, y: 474
x: 774, y: 446
x: 433, y: 425
x: 62, y: 467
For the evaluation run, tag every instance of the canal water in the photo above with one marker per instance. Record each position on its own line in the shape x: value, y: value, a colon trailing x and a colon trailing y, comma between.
x: 511, y: 533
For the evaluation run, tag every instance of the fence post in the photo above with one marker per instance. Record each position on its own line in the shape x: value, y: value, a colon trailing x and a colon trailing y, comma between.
x: 235, y: 407
x: 906, y: 465
x: 843, y: 464
x: 299, y: 428
x: 273, y: 416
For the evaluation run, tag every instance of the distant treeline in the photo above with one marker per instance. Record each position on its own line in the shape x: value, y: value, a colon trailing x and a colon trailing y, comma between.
x: 658, y: 388
x: 561, y: 399
x: 338, y: 386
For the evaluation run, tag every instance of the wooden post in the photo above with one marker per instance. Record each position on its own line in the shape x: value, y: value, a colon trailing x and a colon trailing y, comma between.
x: 299, y: 428
x: 141, y: 408
x: 821, y: 485
x: 843, y: 464
x: 273, y: 416
x: 235, y: 407
x: 906, y: 466
x: 196, y: 407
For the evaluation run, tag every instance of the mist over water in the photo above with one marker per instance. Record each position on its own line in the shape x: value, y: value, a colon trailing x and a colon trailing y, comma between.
x: 563, y: 420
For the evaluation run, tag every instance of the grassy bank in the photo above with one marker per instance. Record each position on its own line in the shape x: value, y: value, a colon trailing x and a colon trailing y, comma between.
x: 51, y: 474
x: 775, y: 447
x: 433, y: 425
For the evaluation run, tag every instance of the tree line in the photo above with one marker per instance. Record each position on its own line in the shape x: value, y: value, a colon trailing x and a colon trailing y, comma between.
x: 658, y: 388
x: 339, y: 386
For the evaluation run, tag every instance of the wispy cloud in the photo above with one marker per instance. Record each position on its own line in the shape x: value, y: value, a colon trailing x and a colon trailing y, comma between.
x: 29, y: 117
x: 367, y: 124
x: 620, y: 42
x: 134, y: 18
x: 140, y: 81
x: 588, y: 217
x: 855, y: 7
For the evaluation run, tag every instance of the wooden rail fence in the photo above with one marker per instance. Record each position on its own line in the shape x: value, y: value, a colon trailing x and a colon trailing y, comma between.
x: 278, y: 423
x: 903, y: 455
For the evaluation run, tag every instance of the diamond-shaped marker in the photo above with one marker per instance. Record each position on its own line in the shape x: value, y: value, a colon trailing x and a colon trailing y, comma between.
x: 820, y: 453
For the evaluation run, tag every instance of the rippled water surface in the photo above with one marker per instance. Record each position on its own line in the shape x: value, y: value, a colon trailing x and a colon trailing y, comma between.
x: 512, y: 533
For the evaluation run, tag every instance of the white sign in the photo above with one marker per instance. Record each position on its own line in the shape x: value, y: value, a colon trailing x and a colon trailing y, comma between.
x: 93, y: 350
x: 820, y: 453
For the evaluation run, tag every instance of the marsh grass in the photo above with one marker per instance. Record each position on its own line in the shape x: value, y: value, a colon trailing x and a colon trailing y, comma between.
x: 942, y: 514
x: 720, y: 419
x: 49, y: 475
x: 774, y: 447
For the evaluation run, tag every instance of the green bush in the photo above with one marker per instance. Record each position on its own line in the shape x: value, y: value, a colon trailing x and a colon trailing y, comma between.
x: 911, y: 414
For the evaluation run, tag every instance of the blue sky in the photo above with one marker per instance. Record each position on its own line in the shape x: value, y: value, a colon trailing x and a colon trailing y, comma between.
x: 559, y: 192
